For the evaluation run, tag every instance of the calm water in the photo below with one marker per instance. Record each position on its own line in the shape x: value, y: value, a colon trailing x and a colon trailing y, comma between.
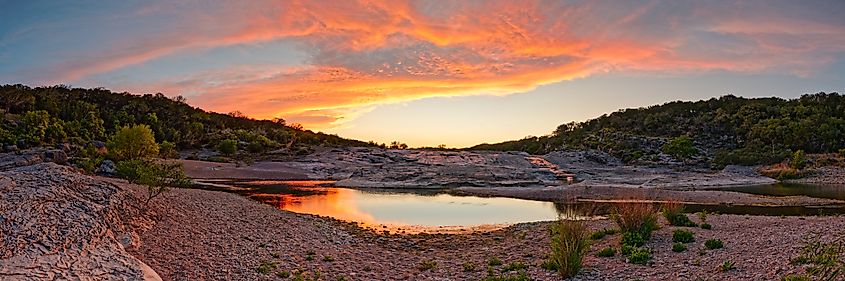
x: 427, y: 209
x: 374, y: 207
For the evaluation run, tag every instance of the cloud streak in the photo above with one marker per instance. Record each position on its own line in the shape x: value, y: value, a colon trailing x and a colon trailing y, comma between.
x: 366, y: 53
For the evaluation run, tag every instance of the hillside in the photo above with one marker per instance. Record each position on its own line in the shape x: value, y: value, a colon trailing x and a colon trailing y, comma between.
x: 59, y: 114
x: 725, y: 130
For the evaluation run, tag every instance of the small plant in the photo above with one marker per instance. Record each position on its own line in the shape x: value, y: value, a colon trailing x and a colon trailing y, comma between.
x: 283, y: 274
x: 599, y: 234
x: 640, y: 256
x: 469, y: 267
x: 713, y: 244
x: 636, y: 217
x: 726, y: 266
x: 266, y: 267
x: 798, y: 161
x: 826, y: 259
x: 494, y: 261
x: 795, y: 277
x: 427, y: 265
x: 706, y: 226
x: 682, y: 236
x: 606, y: 252
x: 569, y: 245
x: 702, y: 216
x: 674, y: 214
x: 679, y: 247
x: 626, y: 250
x: 549, y: 265
x: 328, y: 259
x: 514, y: 266
x: 635, y: 239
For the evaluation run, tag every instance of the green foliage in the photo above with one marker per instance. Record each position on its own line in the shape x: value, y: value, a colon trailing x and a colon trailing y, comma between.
x: 826, y: 259
x: 494, y: 261
x: 522, y: 276
x: 89, y: 165
x: 156, y: 176
x: 328, y: 259
x: 640, y: 256
x: 626, y: 249
x: 706, y: 226
x: 427, y: 265
x: 678, y: 247
x: 798, y: 161
x: 636, y: 217
x: 633, y: 238
x: 733, y: 130
x: 167, y: 150
x: 606, y: 252
x: 726, y: 266
x: 599, y: 234
x: 227, y: 147
x: 134, y: 142
x: 469, y: 267
x: 514, y: 266
x: 570, y: 244
x: 549, y: 265
x: 266, y: 267
x: 34, y: 126
x: 674, y: 214
x: 283, y: 274
x: 713, y: 244
x: 681, y: 148
x: 682, y: 236
x: 793, y: 277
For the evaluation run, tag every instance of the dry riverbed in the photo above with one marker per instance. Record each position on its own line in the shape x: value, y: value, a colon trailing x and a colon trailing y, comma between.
x: 220, y: 236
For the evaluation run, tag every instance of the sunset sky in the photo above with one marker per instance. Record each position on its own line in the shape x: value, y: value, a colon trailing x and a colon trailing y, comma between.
x: 428, y: 72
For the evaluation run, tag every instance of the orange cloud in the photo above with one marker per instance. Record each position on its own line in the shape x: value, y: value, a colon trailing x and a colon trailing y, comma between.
x: 365, y: 53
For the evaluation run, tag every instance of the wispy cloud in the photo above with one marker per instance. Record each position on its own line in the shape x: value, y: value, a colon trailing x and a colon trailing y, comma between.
x: 365, y: 53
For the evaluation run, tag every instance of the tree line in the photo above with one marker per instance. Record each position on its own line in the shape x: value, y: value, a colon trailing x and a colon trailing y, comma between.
x: 725, y: 130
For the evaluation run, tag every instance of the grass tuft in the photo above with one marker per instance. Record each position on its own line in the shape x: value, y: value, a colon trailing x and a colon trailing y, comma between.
x: 714, y: 244
x: 682, y: 236
x: 606, y: 252
x: 679, y: 247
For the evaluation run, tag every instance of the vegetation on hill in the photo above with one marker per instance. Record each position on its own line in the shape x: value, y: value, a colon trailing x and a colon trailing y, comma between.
x: 725, y: 130
x: 60, y: 114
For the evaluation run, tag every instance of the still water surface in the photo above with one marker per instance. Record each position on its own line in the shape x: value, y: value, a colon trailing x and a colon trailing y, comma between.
x: 435, y: 209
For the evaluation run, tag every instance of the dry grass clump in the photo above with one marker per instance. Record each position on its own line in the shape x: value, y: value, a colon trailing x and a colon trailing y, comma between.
x: 636, y: 217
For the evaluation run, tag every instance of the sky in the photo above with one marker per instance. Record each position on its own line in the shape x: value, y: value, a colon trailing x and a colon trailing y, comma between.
x: 428, y: 72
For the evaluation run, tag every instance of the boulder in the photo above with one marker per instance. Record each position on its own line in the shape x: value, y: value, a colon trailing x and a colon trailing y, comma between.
x: 107, y: 167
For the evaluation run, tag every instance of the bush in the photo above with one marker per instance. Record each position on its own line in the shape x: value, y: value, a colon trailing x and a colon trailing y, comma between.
x: 679, y: 247
x: 606, y: 252
x: 133, y: 142
x: 266, y: 267
x: 626, y: 250
x: 798, y: 161
x: 713, y: 244
x: 156, y: 176
x: 599, y: 234
x: 706, y: 226
x: 636, y: 217
x: 427, y: 265
x: 167, y: 150
x: 780, y: 171
x: 569, y: 245
x: 494, y: 261
x: 674, y: 214
x: 634, y: 239
x: 681, y: 148
x: 682, y: 236
x: 640, y: 256
x: 227, y: 147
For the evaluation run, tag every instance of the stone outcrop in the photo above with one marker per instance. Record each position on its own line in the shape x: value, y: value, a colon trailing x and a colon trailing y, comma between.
x: 31, y: 157
x: 56, y: 224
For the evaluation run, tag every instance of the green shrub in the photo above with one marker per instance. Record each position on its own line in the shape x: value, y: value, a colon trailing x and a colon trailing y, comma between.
x: 706, y: 226
x: 681, y: 148
x: 494, y: 261
x: 266, y: 267
x: 469, y: 267
x: 674, y: 214
x: 726, y: 266
x: 713, y: 244
x: 798, y: 160
x: 626, y: 250
x: 634, y: 239
x: 640, y: 256
x: 156, y: 176
x: 636, y: 217
x: 514, y: 266
x: 167, y: 150
x: 549, y: 265
x: 283, y: 274
x: 679, y: 247
x: 427, y: 265
x: 134, y: 142
x: 227, y: 147
x: 599, y: 234
x: 606, y: 252
x: 569, y: 245
x: 682, y: 236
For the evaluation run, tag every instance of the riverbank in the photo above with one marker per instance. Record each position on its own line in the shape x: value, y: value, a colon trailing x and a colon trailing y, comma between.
x: 214, y: 235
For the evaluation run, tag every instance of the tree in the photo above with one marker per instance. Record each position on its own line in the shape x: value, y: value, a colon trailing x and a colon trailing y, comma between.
x: 34, y: 125
x: 228, y: 147
x: 167, y: 150
x: 156, y: 176
x: 133, y: 142
x: 798, y: 160
x: 681, y: 148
